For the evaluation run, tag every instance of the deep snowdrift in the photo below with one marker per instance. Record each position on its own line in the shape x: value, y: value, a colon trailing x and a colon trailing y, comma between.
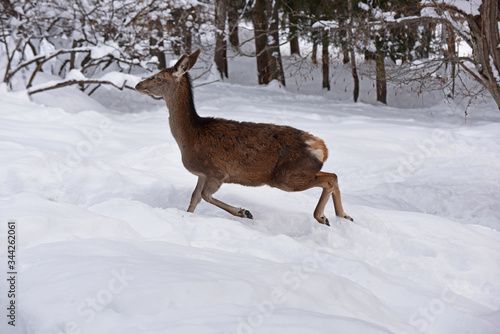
x: 99, y: 195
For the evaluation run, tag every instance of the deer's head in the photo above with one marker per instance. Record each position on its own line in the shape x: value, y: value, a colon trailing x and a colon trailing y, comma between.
x: 168, y: 80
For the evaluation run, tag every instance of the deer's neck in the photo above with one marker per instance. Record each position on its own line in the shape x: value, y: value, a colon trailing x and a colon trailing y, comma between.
x: 183, y: 119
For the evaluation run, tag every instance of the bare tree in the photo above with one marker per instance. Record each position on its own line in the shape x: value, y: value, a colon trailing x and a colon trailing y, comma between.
x: 352, y: 56
x: 90, y: 36
x: 233, y: 21
x: 380, y: 73
x: 220, y: 42
x: 316, y: 33
x: 478, y: 27
x: 325, y: 59
x: 157, y: 44
x: 273, y: 38
x: 259, y: 19
x: 294, y: 33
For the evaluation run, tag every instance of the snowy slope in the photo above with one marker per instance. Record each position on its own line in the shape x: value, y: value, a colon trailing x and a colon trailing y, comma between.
x: 99, y: 195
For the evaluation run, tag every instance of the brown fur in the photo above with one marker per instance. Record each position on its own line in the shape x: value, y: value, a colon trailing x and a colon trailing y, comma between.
x: 252, y: 154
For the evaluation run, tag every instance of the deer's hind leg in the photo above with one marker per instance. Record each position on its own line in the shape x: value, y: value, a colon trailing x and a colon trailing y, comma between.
x: 211, y: 185
x: 329, y: 183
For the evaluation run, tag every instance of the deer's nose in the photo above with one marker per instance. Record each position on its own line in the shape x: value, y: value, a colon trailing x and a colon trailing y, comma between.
x: 137, y: 86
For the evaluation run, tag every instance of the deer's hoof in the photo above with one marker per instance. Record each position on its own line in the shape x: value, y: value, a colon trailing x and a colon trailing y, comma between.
x: 348, y: 218
x: 323, y: 220
x: 245, y: 214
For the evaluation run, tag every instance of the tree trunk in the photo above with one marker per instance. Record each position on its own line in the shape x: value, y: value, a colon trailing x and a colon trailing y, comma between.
x: 345, y: 52
x: 188, y: 40
x: 381, y: 78
x: 485, y: 39
x: 345, y: 46
x: 315, y: 36
x: 174, y: 30
x: 490, y: 42
x: 260, y: 30
x: 274, y: 53
x: 294, y: 34
x: 380, y: 74
x: 187, y: 33
x: 354, y: 69
x: 325, y: 60
x: 72, y: 56
x: 220, y: 37
x: 155, y: 46
x: 452, y: 54
x: 232, y: 21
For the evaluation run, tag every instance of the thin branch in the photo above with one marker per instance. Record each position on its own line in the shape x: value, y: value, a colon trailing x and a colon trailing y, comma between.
x: 206, y: 83
x: 43, y: 59
x: 10, y: 57
x: 474, y: 75
x: 79, y: 82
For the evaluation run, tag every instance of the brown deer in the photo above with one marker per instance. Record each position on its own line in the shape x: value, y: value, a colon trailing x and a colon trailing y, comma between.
x: 251, y: 154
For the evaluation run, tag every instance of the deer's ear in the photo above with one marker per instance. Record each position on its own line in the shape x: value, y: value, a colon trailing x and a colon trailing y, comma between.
x: 180, y: 66
x: 185, y: 63
x: 193, y: 58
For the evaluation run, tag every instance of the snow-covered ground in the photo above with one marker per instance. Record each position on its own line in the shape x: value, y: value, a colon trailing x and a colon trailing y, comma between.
x: 104, y: 244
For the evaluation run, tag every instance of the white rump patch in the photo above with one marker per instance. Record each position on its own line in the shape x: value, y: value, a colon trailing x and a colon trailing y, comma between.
x: 315, y: 150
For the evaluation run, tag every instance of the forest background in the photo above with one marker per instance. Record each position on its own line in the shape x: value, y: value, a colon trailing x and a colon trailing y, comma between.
x: 447, y: 46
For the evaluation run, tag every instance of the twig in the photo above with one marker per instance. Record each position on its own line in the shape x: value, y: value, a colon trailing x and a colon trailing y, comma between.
x: 206, y: 83
x: 474, y: 75
x: 79, y: 82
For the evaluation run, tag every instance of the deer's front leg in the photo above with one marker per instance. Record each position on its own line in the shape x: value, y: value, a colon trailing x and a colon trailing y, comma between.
x: 196, y: 196
x: 210, y: 187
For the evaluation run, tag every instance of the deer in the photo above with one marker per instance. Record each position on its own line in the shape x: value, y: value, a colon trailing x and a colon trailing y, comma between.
x: 220, y: 151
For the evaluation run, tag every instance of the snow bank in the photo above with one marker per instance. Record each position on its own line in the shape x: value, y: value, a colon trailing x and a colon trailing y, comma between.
x: 105, y: 244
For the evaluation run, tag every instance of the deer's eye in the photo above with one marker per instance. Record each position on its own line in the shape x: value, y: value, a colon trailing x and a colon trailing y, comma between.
x: 158, y: 79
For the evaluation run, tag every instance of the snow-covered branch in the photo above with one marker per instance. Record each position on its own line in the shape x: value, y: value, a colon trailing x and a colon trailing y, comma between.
x: 51, y: 85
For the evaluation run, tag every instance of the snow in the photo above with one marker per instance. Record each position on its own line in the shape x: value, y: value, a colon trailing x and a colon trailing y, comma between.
x: 75, y: 74
x: 324, y: 24
x: 364, y: 6
x: 119, y: 78
x: 110, y: 48
x: 47, y: 48
x: 467, y: 6
x: 105, y: 245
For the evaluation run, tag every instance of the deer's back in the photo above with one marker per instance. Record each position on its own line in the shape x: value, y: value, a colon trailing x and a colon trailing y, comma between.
x: 254, y: 154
